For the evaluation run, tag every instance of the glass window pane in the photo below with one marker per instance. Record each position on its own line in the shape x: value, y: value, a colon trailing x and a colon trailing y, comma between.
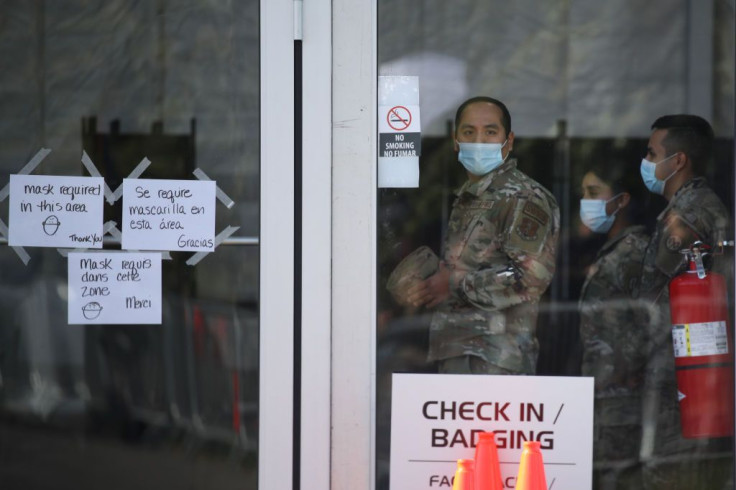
x: 518, y: 292
x: 173, y: 405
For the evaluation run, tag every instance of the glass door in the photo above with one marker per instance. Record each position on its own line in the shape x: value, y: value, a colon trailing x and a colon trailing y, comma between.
x: 545, y: 253
x: 162, y: 91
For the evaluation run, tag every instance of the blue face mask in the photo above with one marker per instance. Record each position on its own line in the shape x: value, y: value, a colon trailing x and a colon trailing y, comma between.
x: 650, y: 180
x: 593, y: 214
x: 481, y: 158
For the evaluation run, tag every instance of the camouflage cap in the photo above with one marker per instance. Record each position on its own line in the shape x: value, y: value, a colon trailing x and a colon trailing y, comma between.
x: 417, y: 266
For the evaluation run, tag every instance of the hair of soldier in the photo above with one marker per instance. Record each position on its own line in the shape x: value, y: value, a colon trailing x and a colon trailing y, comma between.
x: 689, y: 134
x: 505, y: 114
x: 622, y: 175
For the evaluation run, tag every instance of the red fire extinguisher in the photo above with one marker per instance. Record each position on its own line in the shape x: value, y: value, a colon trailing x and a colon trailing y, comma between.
x: 703, y: 349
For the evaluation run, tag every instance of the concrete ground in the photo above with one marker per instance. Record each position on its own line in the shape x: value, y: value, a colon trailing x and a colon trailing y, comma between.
x: 35, y: 457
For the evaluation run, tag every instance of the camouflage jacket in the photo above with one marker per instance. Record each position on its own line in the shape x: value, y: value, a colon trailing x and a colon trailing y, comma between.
x: 611, y: 328
x: 694, y: 213
x: 500, y: 249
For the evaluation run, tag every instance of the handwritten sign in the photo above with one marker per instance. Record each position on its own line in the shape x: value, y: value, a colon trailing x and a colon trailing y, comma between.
x: 436, y: 419
x: 56, y: 211
x: 176, y: 215
x: 114, y: 288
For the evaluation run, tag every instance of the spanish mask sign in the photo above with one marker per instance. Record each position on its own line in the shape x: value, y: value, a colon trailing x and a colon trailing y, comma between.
x: 436, y: 419
x: 114, y: 288
x: 175, y: 215
x: 56, y: 211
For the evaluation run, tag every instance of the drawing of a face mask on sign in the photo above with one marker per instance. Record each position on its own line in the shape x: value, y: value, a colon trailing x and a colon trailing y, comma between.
x: 51, y: 225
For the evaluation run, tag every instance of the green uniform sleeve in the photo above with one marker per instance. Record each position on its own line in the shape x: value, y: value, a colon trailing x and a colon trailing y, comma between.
x: 527, y: 267
x: 678, y: 234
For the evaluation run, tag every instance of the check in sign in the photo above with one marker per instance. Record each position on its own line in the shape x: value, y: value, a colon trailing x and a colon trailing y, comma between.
x: 436, y: 419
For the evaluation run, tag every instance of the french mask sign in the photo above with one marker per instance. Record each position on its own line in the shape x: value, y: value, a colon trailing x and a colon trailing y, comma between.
x: 56, y: 211
x: 436, y: 419
x: 114, y: 288
x: 174, y: 215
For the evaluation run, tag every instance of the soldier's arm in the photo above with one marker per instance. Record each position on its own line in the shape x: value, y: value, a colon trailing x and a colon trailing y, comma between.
x: 678, y: 234
x: 525, y: 274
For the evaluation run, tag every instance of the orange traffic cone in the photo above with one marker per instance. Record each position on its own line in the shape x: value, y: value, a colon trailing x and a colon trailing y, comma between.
x: 464, y: 475
x: 487, y: 467
x: 531, y: 468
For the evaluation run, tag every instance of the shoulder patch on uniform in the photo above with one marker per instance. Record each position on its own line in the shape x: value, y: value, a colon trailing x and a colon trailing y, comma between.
x: 673, y: 243
x: 535, y: 211
x: 528, y: 228
x: 675, y: 234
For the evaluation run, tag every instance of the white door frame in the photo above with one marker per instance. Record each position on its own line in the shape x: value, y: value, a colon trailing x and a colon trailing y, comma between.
x: 339, y: 243
x: 316, y: 245
x: 354, y: 157
x: 275, y: 399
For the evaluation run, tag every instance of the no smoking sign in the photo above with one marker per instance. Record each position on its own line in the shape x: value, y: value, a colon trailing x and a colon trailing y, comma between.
x: 399, y: 131
x: 399, y: 118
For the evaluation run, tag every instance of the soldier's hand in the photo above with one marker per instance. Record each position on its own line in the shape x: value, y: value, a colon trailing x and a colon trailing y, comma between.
x: 432, y: 291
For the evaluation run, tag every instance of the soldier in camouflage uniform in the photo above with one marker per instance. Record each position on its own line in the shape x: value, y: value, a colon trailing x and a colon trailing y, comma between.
x: 679, y: 148
x: 611, y: 328
x: 499, y: 254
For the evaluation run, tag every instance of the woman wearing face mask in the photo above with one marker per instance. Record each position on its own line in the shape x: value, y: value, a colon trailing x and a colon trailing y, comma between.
x: 612, y: 335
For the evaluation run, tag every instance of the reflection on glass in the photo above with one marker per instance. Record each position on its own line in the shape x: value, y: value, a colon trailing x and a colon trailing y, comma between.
x: 584, y: 86
x: 133, y: 406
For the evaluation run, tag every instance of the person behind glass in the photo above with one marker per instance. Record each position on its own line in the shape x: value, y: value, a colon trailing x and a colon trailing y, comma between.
x: 498, y: 256
x: 613, y: 337
x: 679, y: 149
